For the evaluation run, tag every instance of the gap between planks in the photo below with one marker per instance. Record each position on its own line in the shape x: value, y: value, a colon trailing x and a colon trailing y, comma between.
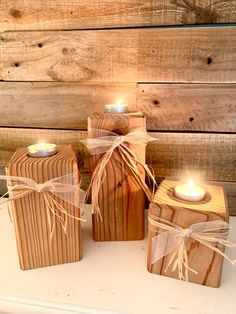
x: 62, y: 14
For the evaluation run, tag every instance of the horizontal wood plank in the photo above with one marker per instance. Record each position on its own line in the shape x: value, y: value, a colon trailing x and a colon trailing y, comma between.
x: 230, y: 189
x: 135, y: 55
x: 66, y: 105
x: 210, y: 156
x: 207, y: 156
x: 199, y: 107
x: 70, y: 14
x: 58, y: 105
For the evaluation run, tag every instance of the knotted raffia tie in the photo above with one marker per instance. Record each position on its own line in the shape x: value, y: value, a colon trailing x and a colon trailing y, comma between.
x: 106, y: 143
x: 62, y: 187
x: 172, y: 239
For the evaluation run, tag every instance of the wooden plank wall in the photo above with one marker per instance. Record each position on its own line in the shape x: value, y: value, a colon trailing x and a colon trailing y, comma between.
x: 175, y: 60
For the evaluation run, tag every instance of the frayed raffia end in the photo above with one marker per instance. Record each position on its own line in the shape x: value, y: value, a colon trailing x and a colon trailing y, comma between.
x: 62, y: 187
x: 107, y: 143
x: 171, y: 239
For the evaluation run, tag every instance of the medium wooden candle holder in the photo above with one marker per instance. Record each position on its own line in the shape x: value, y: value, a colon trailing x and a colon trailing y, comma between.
x: 30, y: 214
x: 121, y: 200
x: 206, y: 262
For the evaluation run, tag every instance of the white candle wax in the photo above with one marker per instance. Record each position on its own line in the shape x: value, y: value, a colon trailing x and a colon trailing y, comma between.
x: 118, y: 107
x: 189, y: 192
x: 42, y: 150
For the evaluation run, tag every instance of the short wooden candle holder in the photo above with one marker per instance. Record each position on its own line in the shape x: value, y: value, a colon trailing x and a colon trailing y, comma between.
x: 30, y: 215
x: 206, y: 262
x: 121, y: 200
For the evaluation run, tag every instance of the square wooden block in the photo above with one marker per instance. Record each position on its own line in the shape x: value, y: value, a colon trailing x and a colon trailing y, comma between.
x: 165, y: 205
x: 30, y: 214
x: 121, y: 199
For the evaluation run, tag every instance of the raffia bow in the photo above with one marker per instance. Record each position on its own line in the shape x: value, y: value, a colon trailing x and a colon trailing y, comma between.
x: 172, y: 239
x: 62, y: 187
x: 106, y: 143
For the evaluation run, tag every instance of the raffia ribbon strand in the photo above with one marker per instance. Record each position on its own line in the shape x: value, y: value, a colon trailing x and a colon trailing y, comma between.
x: 62, y: 187
x: 106, y: 143
x: 172, y: 238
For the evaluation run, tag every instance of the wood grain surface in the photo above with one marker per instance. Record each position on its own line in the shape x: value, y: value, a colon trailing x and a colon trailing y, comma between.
x: 210, y: 156
x: 71, y: 14
x: 30, y: 212
x: 1, y: 69
x: 206, y: 262
x: 121, y: 199
x: 64, y: 105
x: 207, y: 156
x: 139, y: 55
x: 1, y: 58
x: 189, y: 107
x: 229, y: 188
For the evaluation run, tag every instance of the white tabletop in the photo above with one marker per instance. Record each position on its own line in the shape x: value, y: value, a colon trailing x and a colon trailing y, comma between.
x: 111, y: 277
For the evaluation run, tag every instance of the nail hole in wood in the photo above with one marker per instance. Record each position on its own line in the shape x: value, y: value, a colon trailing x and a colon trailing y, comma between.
x: 119, y: 185
x: 71, y: 12
x: 209, y: 60
x: 143, y: 91
x: 40, y: 45
x: 156, y: 102
x: 65, y: 51
x: 17, y: 65
x: 191, y: 119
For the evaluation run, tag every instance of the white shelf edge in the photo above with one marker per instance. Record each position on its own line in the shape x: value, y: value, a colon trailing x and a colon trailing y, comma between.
x: 15, y: 305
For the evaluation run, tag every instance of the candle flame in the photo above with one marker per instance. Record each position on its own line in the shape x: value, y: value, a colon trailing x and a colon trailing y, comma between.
x: 41, y: 145
x: 191, y: 185
x: 119, y: 103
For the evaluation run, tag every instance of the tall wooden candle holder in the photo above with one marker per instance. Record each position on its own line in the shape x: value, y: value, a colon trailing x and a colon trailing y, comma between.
x: 206, y: 262
x: 30, y: 215
x: 121, y: 200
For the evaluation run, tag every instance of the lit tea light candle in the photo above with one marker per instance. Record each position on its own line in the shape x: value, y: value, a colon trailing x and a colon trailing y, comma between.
x: 118, y: 107
x: 189, y: 192
x: 42, y: 150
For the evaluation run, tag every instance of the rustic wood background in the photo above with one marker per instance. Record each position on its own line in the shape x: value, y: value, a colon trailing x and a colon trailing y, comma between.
x: 175, y: 60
